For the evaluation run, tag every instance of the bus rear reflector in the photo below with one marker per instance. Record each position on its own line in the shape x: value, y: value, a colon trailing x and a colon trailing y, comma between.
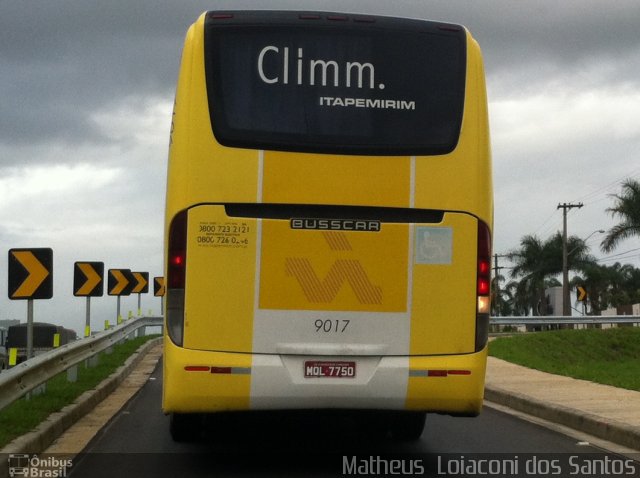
x: 459, y: 372
x: 196, y: 368
x: 223, y: 370
x: 437, y: 373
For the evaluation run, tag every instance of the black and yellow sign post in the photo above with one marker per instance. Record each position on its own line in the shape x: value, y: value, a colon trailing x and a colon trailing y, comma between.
x: 88, y: 282
x: 582, y: 293
x: 159, y: 291
x: 120, y: 282
x: 582, y: 296
x: 141, y: 287
x: 30, y: 278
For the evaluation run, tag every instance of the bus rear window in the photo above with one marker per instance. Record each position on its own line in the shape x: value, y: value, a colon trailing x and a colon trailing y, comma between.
x: 375, y: 88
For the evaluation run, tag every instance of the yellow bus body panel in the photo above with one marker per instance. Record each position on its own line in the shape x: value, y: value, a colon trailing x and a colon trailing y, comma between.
x: 444, y: 298
x: 349, y: 180
x: 203, y: 391
x: 454, y: 394
x: 200, y: 169
x: 219, y: 291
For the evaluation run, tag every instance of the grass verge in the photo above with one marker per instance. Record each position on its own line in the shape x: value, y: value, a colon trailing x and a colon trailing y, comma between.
x: 610, y: 356
x: 24, y: 415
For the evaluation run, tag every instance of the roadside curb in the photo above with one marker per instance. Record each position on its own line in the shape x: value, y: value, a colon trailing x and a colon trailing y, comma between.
x: 607, y: 429
x: 57, y: 423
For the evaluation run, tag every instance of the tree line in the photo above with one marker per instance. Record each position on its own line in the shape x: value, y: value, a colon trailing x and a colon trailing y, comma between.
x: 538, y: 263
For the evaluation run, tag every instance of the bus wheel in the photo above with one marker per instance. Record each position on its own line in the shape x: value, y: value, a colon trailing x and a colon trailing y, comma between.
x: 185, y: 427
x: 407, y: 426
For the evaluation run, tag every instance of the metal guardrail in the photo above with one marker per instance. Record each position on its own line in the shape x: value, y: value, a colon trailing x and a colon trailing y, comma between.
x: 563, y: 320
x: 26, y: 376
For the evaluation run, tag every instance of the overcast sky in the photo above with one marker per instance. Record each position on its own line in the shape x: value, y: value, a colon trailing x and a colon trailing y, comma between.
x: 86, y: 90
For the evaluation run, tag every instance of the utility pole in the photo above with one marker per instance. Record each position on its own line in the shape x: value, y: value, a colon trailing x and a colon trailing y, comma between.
x: 566, y: 306
x: 497, y: 269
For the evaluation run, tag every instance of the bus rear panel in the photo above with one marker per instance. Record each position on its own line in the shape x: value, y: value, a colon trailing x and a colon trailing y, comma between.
x: 329, y: 213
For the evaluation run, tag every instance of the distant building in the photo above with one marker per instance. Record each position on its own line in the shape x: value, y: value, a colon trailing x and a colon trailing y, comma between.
x: 623, y: 310
x: 554, y: 301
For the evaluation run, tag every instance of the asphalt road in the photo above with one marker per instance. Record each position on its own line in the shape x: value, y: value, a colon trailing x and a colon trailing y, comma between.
x: 136, y: 443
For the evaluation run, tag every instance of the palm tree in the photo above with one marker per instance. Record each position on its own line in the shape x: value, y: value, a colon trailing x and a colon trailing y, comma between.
x: 627, y: 208
x: 622, y: 287
x: 596, y: 279
x: 518, y: 302
x: 502, y: 299
x: 610, y: 286
x: 536, y: 264
x: 531, y: 269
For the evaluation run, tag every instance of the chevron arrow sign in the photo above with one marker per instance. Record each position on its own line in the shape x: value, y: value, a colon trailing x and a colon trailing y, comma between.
x: 88, y: 279
x: 30, y: 274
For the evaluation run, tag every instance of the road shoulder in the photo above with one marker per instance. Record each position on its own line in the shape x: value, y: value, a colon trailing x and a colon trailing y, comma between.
x: 603, y: 411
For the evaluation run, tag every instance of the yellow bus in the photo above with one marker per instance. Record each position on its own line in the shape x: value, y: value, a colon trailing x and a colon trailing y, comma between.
x: 328, y: 219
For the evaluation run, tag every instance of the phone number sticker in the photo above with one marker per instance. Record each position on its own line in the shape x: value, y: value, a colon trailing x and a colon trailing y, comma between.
x: 223, y: 234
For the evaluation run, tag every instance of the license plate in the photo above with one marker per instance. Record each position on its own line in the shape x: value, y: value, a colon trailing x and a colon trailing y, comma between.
x: 328, y: 369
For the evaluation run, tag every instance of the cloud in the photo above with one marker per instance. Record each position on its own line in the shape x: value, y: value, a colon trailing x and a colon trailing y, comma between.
x: 70, y: 59
x: 86, y: 90
x: 557, y: 146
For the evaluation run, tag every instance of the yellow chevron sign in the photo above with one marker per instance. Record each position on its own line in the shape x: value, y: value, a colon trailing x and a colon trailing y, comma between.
x: 121, y: 282
x: 582, y: 293
x: 30, y: 273
x: 158, y: 287
x: 141, y: 285
x: 87, y: 279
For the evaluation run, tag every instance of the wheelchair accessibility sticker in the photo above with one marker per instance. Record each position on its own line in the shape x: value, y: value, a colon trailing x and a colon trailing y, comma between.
x: 433, y: 245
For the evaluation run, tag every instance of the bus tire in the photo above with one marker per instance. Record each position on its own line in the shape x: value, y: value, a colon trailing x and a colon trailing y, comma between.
x: 407, y: 426
x: 185, y: 427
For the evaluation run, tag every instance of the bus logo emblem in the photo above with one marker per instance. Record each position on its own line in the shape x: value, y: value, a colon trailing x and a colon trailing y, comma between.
x: 366, y: 225
x: 318, y: 290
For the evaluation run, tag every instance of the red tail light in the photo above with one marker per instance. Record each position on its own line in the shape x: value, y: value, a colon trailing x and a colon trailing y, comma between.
x: 483, y: 285
x: 176, y: 274
x: 177, y: 251
x: 484, y: 260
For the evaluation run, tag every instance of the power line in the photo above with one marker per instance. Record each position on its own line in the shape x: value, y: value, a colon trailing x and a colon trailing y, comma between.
x: 601, y: 189
x: 546, y: 221
x: 618, y: 256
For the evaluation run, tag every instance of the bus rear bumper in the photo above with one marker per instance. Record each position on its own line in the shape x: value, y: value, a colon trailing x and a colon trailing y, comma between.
x: 203, y: 381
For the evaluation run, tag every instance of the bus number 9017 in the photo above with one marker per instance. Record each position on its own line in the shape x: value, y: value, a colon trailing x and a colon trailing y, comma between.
x: 328, y: 326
